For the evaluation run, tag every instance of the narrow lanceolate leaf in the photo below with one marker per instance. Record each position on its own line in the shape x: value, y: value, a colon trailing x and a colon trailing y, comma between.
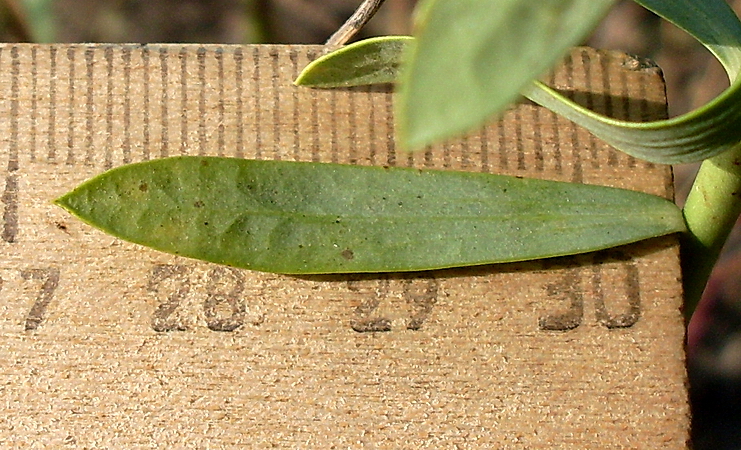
x: 473, y: 57
x: 370, y: 61
x: 304, y: 218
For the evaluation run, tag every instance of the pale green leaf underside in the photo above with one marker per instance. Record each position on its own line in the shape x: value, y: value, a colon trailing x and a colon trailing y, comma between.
x: 473, y: 57
x: 338, y: 68
x: 375, y: 61
x: 304, y: 218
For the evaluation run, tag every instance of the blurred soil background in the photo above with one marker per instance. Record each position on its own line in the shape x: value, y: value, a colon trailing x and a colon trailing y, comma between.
x: 693, y: 78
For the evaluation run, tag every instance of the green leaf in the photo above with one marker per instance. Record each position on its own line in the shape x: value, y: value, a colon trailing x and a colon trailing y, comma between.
x: 41, y: 20
x: 370, y: 61
x: 698, y: 135
x: 712, y: 22
x: 473, y: 57
x: 304, y: 218
x: 703, y: 133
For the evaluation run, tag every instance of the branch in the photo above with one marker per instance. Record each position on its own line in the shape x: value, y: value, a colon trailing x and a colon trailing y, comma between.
x: 18, y: 20
x: 350, y: 28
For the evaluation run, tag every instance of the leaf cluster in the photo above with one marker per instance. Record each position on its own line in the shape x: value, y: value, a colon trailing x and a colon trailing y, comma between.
x: 468, y: 60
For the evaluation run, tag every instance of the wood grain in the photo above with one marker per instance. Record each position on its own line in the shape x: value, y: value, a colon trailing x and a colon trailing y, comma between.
x: 109, y: 345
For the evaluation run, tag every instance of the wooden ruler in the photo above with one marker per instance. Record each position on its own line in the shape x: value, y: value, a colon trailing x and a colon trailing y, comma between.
x: 109, y: 345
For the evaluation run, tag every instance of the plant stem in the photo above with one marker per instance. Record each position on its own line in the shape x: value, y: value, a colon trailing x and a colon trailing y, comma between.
x: 711, y: 211
x: 350, y: 28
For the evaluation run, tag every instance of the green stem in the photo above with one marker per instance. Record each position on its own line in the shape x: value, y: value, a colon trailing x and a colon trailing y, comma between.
x: 711, y: 211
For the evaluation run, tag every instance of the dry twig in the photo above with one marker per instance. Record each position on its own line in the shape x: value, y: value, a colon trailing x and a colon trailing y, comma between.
x: 355, y: 23
x: 18, y: 21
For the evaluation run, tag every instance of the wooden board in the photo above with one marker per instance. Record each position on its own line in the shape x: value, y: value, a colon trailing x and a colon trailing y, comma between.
x: 107, y: 344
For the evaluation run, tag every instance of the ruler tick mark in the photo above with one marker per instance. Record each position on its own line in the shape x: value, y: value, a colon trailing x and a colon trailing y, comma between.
x: 293, y: 55
x: 201, y: 57
x: 314, y: 126
x: 145, y: 118
x: 465, y: 146
x: 501, y: 145
x: 183, y: 57
x: 256, y: 101
x: 108, y: 54
x: 447, y: 163
x: 429, y: 158
x: 558, y: 166
x: 410, y: 159
x: 484, y: 149
x: 314, y: 113
x: 164, y: 101
x: 126, y: 146
x: 390, y: 143
x: 51, y: 130
x: 71, y: 52
x: 557, y: 161
x: 89, y: 105
x: 219, y: 54
x: 275, y: 72
x: 10, y: 195
x: 353, y: 129
x: 518, y: 141
x: 371, y: 125
x: 34, y: 101
x: 15, y: 68
x: 239, y: 84
x: 333, y: 144
x: 539, y: 144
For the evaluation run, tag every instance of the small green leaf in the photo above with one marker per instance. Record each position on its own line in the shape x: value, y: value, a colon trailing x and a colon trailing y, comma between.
x: 370, y: 61
x: 473, y: 57
x: 303, y: 218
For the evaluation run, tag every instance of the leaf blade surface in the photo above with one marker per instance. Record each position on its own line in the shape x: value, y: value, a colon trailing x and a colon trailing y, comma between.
x: 370, y: 61
x: 473, y: 57
x: 304, y: 218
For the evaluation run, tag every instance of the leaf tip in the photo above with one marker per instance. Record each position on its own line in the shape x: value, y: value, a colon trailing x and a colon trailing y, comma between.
x: 300, y: 80
x: 64, y: 202
x: 304, y: 77
x: 60, y: 201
